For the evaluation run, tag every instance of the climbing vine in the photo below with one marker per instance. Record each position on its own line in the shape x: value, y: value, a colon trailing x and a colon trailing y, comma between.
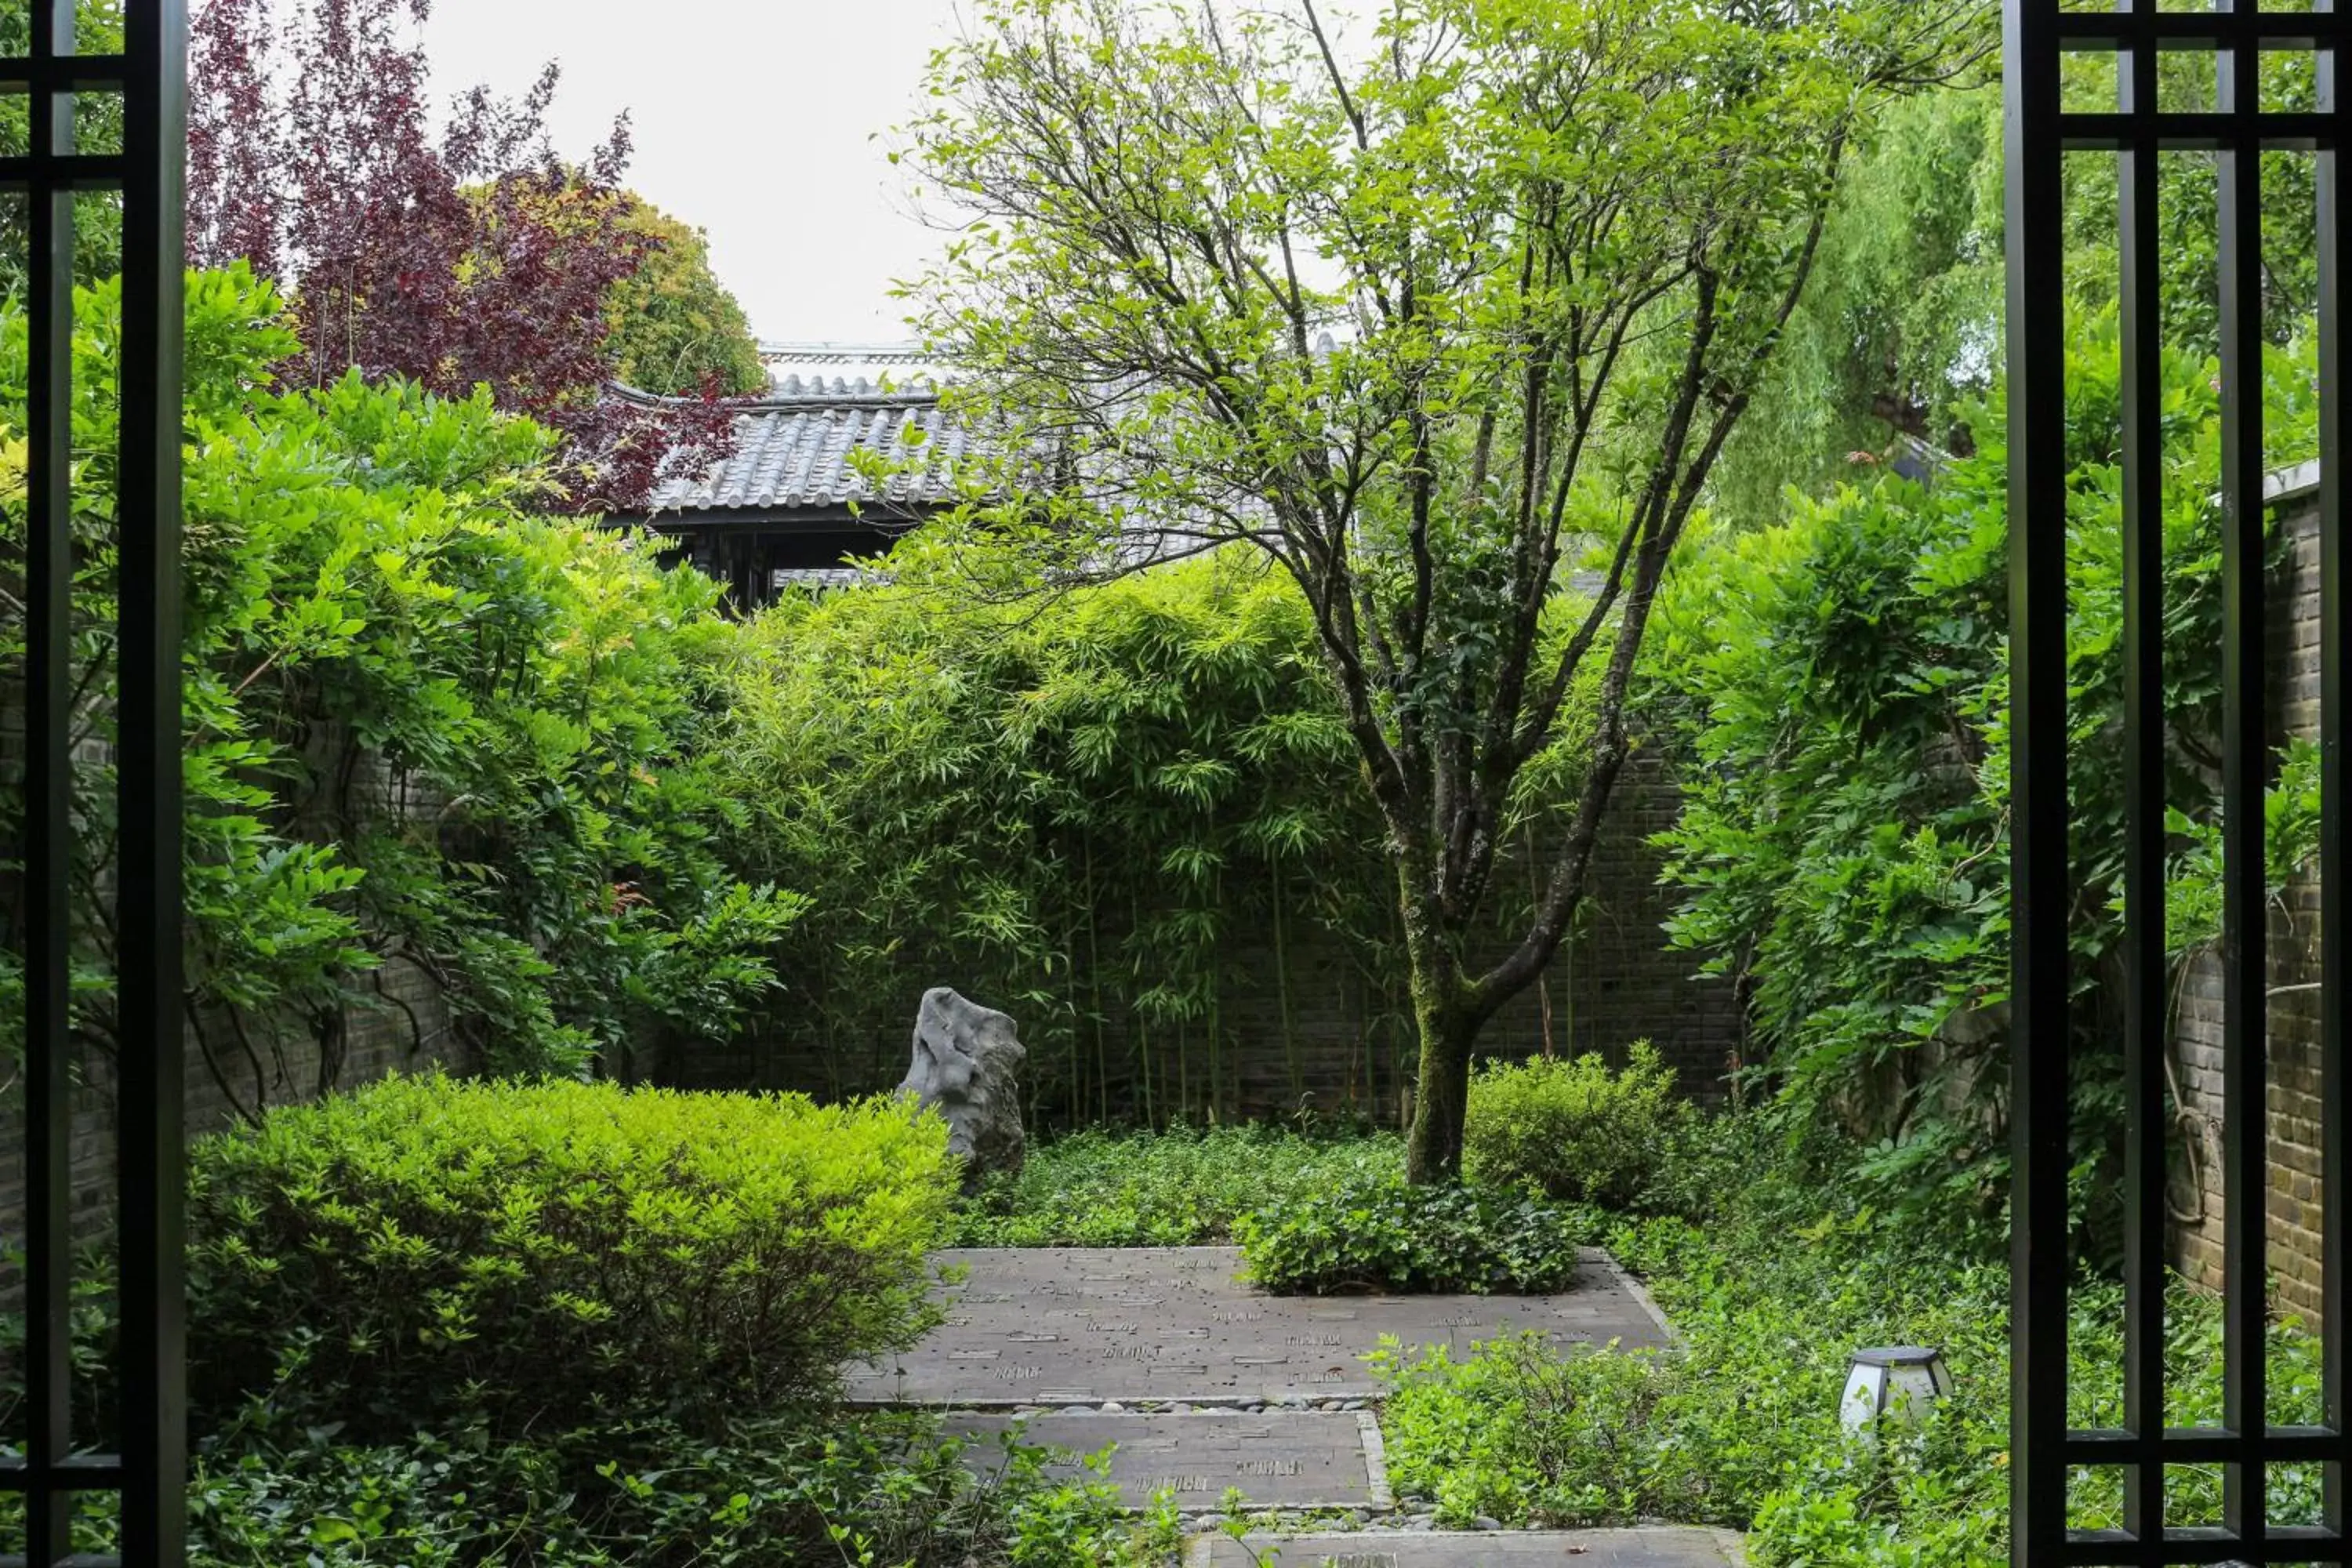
x: 1839, y: 685
x: 424, y: 725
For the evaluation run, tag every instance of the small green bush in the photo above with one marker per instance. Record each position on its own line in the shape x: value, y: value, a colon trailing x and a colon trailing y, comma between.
x: 1574, y: 1130
x: 1174, y: 1188
x: 1737, y: 1425
x: 530, y: 1257
x: 1378, y: 1234
x: 872, y: 1489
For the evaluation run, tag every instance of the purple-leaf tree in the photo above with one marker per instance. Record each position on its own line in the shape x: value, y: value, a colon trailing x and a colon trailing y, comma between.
x: 476, y: 256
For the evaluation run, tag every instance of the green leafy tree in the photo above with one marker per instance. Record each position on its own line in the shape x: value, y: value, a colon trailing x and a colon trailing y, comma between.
x: 96, y: 29
x: 1902, y: 325
x: 1901, y: 332
x: 1840, y: 682
x: 424, y: 724
x: 674, y: 326
x: 1426, y: 315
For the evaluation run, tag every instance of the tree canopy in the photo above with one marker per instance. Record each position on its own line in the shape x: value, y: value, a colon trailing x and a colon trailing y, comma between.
x: 676, y: 328
x: 1901, y: 333
x: 477, y: 257
x: 1431, y: 316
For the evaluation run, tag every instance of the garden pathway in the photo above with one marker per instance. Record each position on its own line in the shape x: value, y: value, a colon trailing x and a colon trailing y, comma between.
x: 1643, y: 1547
x: 1205, y: 1385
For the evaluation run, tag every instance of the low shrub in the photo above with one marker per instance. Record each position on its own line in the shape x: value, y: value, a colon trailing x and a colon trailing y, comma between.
x: 870, y: 1489
x: 1175, y: 1188
x: 1378, y: 1234
x: 428, y: 1252
x: 1739, y: 1426
x: 1574, y: 1129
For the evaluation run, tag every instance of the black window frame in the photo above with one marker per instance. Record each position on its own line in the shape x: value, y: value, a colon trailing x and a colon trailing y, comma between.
x: 2039, y: 132
x: 149, y: 1473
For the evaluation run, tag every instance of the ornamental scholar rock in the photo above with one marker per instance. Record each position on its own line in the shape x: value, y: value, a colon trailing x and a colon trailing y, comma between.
x: 965, y: 1058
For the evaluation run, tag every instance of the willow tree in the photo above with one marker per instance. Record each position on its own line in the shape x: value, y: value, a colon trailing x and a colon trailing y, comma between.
x: 1432, y: 310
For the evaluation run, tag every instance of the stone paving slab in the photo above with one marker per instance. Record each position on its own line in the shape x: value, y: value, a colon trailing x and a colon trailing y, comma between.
x: 1061, y: 1326
x: 1645, y: 1548
x: 1279, y: 1458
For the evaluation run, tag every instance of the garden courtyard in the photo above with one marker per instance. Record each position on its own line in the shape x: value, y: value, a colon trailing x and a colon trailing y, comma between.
x: 1407, y: 681
x: 1235, y: 1402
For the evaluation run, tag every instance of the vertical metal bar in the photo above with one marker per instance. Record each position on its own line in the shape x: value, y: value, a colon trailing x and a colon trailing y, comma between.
x: 151, y: 1152
x: 2335, y: 869
x: 2245, y: 756
x: 2039, y: 894
x: 49, y: 801
x: 2145, y: 1014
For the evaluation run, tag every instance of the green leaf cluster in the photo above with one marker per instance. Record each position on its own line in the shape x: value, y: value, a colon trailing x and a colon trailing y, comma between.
x: 1180, y: 1186
x: 425, y: 725
x: 1838, y: 683
x: 534, y: 1256
x: 865, y: 1491
x: 1900, y: 334
x: 1375, y: 1233
x: 1575, y: 1129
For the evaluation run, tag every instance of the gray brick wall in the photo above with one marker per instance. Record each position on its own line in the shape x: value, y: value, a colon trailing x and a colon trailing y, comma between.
x: 2292, y: 1206
x: 1327, y: 1029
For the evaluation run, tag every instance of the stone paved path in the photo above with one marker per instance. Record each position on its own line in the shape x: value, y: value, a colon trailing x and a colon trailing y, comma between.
x: 1488, y: 1549
x: 1281, y: 1458
x: 1051, y: 1326
x: 1199, y: 1383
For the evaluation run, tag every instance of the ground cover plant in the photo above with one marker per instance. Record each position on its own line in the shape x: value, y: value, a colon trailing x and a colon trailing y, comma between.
x: 1787, y: 1272
x: 865, y: 1492
x: 1383, y: 1233
x: 1316, y: 1212
x: 1177, y: 1187
x: 869, y: 1490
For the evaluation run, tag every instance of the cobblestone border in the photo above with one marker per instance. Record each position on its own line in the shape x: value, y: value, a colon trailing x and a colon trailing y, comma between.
x: 1376, y: 1459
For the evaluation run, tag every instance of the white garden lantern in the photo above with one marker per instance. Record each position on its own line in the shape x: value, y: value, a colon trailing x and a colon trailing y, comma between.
x: 1905, y: 1382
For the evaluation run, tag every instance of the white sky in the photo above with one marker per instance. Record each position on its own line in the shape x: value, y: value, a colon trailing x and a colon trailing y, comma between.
x: 757, y: 119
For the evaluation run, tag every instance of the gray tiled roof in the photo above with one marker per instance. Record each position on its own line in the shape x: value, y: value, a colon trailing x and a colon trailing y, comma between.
x: 791, y: 451
x: 821, y: 578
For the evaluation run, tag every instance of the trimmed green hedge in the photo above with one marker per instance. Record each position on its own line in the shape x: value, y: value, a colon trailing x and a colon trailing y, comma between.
x: 1574, y: 1129
x: 536, y: 1256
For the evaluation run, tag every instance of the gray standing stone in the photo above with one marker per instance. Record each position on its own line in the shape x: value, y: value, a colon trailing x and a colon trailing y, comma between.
x: 965, y: 1058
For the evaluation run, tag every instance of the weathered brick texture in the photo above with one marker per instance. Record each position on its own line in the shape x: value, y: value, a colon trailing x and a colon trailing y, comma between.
x: 2294, y: 1220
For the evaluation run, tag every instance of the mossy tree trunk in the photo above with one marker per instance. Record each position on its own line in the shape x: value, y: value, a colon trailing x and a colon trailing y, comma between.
x: 1448, y: 1025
